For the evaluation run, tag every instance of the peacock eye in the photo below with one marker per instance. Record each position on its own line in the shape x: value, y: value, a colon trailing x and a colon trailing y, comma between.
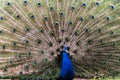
x: 73, y: 7
x: 40, y: 78
x: 27, y: 29
x: 100, y: 41
x: 14, y: 30
x: 25, y: 2
x: 84, y: 4
x: 87, y: 30
x: 52, y: 63
x: 52, y: 33
x: 19, y: 55
x: 112, y: 7
x: 46, y: 60
x: 113, y: 44
x: 89, y: 41
x: 26, y: 41
x: 50, y: 44
x: 107, y: 18
x: 110, y: 54
x: 3, y: 47
x: 1, y: 18
x: 8, y: 3
x: 14, y: 43
x: 98, y: 52
x: 33, y: 74
x: 59, y: 40
x: 41, y: 31
x: 35, y: 62
x: 32, y: 16
x: 119, y: 59
x: 58, y: 50
x: 97, y: 3
x: 38, y: 41
x: 52, y: 53
x: 18, y: 16
x: 70, y: 23
x: 0, y: 31
x: 29, y: 54
x: 99, y: 30
x: 39, y: 4
x: 51, y: 8
x: 81, y: 19
x: 78, y: 43
x: 21, y: 73
x: 111, y: 32
x: 10, y: 62
x: 5, y: 69
x: 93, y: 17
x: 76, y: 33
x: 42, y: 52
x: 88, y: 50
x: 26, y: 67
x: 68, y: 48
x: 56, y: 24
x: 67, y: 39
x: 45, y: 18
x: 61, y: 14
x: 62, y: 30
x: 110, y: 70
x: 75, y: 51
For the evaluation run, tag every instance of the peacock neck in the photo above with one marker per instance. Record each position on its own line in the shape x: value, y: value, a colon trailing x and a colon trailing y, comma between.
x: 67, y: 71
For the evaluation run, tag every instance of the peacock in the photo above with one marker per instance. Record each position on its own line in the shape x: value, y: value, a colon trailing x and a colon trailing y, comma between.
x: 59, y: 39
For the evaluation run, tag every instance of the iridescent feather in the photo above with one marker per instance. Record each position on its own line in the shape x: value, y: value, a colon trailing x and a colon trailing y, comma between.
x: 33, y: 33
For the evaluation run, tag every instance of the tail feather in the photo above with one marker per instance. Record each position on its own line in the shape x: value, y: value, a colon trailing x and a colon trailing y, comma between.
x: 33, y: 32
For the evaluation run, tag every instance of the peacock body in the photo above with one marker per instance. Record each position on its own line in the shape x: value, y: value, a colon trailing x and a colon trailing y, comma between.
x: 50, y: 39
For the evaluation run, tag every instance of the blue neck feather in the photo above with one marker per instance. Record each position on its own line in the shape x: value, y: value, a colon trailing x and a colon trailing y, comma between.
x: 67, y: 71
